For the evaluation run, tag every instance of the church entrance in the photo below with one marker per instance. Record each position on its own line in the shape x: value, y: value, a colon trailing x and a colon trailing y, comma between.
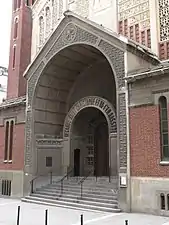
x: 90, y: 143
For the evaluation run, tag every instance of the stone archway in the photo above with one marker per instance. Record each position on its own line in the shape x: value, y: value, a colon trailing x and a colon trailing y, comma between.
x: 73, y: 32
x: 108, y: 111
x: 59, y: 40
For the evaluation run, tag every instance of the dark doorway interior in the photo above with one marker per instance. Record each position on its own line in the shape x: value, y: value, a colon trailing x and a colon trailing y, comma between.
x: 101, y: 150
x: 77, y: 162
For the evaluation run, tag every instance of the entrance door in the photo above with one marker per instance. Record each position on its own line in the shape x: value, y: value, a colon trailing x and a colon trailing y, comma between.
x: 101, y: 150
x: 77, y: 162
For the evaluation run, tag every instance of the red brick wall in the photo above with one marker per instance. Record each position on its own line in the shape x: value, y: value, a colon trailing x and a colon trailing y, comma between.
x: 18, y: 148
x: 16, y: 81
x: 145, y: 143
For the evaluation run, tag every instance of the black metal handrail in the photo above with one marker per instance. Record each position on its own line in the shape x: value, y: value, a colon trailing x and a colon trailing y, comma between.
x: 63, y: 178
x: 83, y: 180
x: 51, y: 179
x: 35, y: 178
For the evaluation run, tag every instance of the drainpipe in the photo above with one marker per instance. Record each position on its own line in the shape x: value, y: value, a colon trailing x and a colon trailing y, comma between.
x: 128, y: 136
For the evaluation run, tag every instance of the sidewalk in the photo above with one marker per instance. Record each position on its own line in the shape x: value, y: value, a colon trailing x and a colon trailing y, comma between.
x: 32, y: 214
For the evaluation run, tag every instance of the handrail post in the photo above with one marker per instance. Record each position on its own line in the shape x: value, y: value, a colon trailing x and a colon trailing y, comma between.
x: 109, y: 175
x: 61, y: 187
x: 81, y: 190
x: 67, y: 172
x: 31, y: 186
x: 51, y: 177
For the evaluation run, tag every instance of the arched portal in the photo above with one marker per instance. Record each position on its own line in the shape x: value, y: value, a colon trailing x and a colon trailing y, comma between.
x: 75, y: 63
x: 90, y: 145
x: 78, y: 76
x: 90, y: 133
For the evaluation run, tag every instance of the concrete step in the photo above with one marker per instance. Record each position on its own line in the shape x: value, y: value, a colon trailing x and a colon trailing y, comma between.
x: 32, y: 199
x: 77, y: 200
x: 85, y: 185
x: 85, y: 188
x: 85, y: 195
x: 75, y: 191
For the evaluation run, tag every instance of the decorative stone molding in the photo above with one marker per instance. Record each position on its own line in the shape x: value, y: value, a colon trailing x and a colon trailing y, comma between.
x: 92, y: 101
x: 69, y: 34
x: 136, y: 11
x: 87, y: 35
x: 49, y: 143
x: 164, y: 19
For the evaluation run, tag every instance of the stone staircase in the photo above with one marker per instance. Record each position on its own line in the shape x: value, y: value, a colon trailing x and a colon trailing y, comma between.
x: 100, y: 195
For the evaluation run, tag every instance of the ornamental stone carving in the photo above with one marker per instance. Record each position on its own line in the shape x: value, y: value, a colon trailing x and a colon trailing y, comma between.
x: 91, y: 101
x: 136, y: 11
x: 49, y: 143
x: 164, y: 19
x: 70, y: 33
x: 80, y: 34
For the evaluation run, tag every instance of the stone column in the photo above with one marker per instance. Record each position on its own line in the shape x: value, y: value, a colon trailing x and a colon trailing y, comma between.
x: 113, y: 154
x: 66, y: 155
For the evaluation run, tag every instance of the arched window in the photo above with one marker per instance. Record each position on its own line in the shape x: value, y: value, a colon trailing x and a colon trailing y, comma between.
x: 164, y: 128
x: 6, y: 141
x: 54, y: 13
x: 60, y: 8
x: 14, y: 5
x: 48, y: 22
x: 16, y: 28
x: 168, y: 202
x: 19, y: 4
x: 11, y: 140
x: 14, y: 57
x: 41, y: 30
x: 162, y: 201
x: 27, y: 2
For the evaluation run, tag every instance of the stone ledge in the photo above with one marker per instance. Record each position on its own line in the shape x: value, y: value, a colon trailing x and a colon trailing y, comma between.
x: 164, y: 163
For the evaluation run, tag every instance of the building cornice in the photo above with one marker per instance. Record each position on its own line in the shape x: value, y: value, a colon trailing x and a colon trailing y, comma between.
x: 9, y: 103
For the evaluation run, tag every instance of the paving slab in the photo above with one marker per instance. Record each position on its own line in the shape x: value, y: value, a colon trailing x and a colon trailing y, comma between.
x: 33, y: 214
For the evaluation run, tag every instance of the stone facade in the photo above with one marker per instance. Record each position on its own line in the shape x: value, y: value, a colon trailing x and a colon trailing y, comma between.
x: 80, y: 63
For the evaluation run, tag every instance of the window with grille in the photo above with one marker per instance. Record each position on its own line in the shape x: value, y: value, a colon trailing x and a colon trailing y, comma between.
x: 164, y: 128
x: 6, y: 188
x: 90, y: 161
x: 15, y: 28
x: 9, y: 129
x: 48, y: 161
x: 162, y: 201
x: 14, y: 57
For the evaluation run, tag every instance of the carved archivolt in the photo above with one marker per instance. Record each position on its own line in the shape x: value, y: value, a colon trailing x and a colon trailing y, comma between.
x: 91, y: 101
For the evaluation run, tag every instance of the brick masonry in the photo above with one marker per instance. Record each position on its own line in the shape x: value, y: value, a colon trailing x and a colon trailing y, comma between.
x: 18, y: 148
x: 16, y: 81
x: 145, y: 142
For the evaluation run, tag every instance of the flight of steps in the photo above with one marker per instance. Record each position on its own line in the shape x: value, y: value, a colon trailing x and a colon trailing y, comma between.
x: 97, y: 196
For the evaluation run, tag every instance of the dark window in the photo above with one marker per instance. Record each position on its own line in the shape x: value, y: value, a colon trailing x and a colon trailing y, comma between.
x: 27, y: 2
x: 168, y: 202
x: 19, y: 4
x: 48, y: 161
x: 16, y: 28
x: 164, y: 128
x: 14, y: 5
x: 6, y: 187
x: 14, y: 56
x: 162, y: 199
x: 11, y: 140
x: 6, y: 140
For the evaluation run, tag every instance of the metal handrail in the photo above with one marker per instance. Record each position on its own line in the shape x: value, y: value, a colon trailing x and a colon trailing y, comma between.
x: 35, y: 178
x: 83, y: 180
x: 51, y: 180
x: 62, y: 180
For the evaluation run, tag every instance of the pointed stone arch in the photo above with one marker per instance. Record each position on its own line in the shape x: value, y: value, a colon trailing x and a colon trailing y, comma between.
x: 73, y: 31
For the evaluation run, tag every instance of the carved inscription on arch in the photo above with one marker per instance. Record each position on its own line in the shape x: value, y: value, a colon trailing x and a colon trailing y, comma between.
x: 92, y: 101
